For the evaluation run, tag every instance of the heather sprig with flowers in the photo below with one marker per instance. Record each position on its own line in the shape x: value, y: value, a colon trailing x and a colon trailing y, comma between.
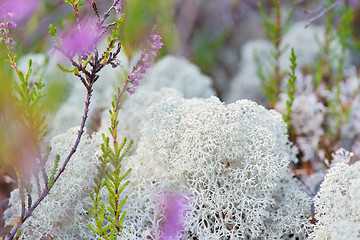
x: 31, y: 122
x: 144, y: 63
x: 87, y: 63
x: 197, y: 168
x: 109, y: 220
x: 322, y: 103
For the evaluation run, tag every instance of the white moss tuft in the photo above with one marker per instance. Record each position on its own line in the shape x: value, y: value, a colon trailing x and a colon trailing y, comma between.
x: 232, y: 163
x: 337, y: 204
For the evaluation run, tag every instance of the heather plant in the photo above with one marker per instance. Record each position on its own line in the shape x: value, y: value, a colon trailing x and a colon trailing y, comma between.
x: 30, y: 121
x: 198, y: 169
x: 274, y: 31
x: 142, y: 15
x: 321, y: 106
x: 86, y: 63
x: 291, y: 89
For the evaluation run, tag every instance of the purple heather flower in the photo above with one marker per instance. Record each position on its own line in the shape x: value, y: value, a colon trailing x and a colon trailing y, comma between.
x: 141, y: 69
x: 16, y: 10
x: 12, y: 25
x: 135, y: 83
x: 82, y: 40
x: 157, y: 45
x: 155, y: 37
x: 132, y: 76
x: 144, y: 62
x: 138, y: 76
x: 352, y: 2
x: 175, y: 207
x: 147, y: 58
x: 147, y: 64
x: 131, y: 90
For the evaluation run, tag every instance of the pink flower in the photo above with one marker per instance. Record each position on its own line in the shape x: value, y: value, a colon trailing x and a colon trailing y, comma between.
x: 132, y: 76
x: 82, y: 39
x: 131, y: 90
x: 141, y: 69
x: 16, y: 10
x: 144, y: 62
x: 352, y: 2
x: 138, y: 76
x: 155, y: 37
x: 135, y: 83
x: 174, y: 207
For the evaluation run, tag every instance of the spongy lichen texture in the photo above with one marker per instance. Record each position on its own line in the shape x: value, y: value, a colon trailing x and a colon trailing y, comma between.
x: 231, y: 161
x: 337, y: 204
x: 180, y: 74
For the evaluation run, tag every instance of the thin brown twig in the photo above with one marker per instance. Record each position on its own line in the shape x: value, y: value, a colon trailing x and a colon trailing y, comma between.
x: 46, y: 190
x: 323, y: 12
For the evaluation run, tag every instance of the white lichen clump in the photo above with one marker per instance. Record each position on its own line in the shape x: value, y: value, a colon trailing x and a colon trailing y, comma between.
x: 63, y: 213
x: 337, y: 204
x: 231, y: 163
x: 228, y: 162
x: 180, y: 74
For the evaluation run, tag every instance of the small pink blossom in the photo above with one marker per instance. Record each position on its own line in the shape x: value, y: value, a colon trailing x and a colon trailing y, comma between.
x: 141, y: 69
x: 144, y: 62
x: 157, y: 45
x: 174, y: 207
x: 82, y: 39
x: 131, y: 90
x: 147, y: 64
x: 135, y: 83
x: 147, y: 58
x: 352, y: 2
x: 12, y: 25
x: 132, y: 76
x: 155, y: 37
x: 16, y: 10
x: 138, y: 76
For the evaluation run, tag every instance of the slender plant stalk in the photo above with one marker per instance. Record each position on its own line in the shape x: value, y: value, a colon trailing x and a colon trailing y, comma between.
x: 46, y: 190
